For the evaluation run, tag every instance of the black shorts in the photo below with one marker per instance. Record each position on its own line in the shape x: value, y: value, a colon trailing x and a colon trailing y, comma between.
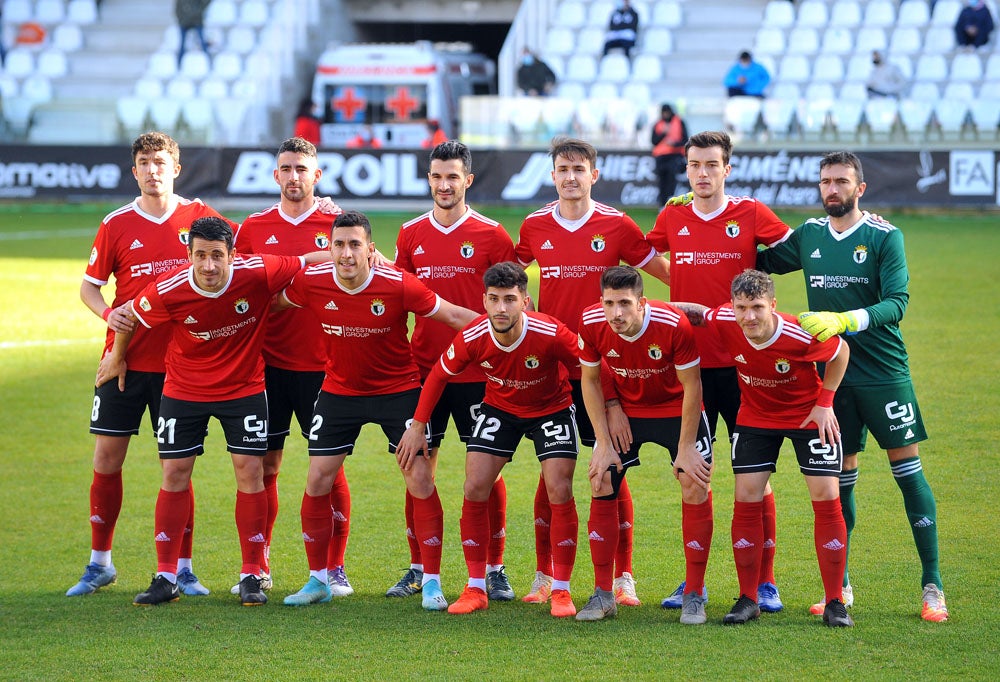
x: 184, y: 423
x: 583, y: 425
x: 288, y: 392
x: 720, y: 394
x: 498, y: 433
x: 118, y: 413
x: 338, y: 419
x: 757, y: 450
x: 664, y: 431
x: 461, y: 402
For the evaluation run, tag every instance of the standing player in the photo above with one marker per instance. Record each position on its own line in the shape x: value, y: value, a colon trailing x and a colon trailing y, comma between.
x: 370, y: 378
x: 855, y: 269
x: 217, y: 307
x: 293, y: 344
x: 135, y: 243
x: 448, y: 249
x: 711, y: 240
x: 574, y: 240
x: 649, y: 348
x: 783, y: 397
x: 526, y: 357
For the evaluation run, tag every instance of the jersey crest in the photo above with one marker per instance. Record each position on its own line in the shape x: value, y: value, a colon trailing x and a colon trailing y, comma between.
x: 597, y: 243
x: 654, y: 351
x: 860, y: 254
x: 531, y: 362
x: 182, y: 235
x: 322, y: 240
x: 468, y: 249
x: 241, y: 306
x: 378, y: 307
x: 732, y: 229
x: 782, y: 366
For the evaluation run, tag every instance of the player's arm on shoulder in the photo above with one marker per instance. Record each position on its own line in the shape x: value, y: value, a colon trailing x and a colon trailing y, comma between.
x: 113, y: 363
x: 321, y: 256
x: 822, y: 414
x: 119, y: 319
x: 695, y: 312
x: 781, y: 258
x: 455, y: 316
x: 658, y: 267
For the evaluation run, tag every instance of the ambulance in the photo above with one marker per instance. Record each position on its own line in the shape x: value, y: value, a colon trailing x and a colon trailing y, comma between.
x: 384, y: 95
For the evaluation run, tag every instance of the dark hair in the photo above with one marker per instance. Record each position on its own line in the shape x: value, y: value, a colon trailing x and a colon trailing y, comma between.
x: 211, y: 229
x: 667, y: 110
x: 453, y: 149
x: 622, y: 277
x: 506, y: 275
x: 298, y: 145
x: 354, y: 219
x: 744, y: 55
x: 711, y: 138
x: 752, y: 284
x: 305, y: 107
x: 156, y: 142
x: 843, y: 158
x: 571, y: 147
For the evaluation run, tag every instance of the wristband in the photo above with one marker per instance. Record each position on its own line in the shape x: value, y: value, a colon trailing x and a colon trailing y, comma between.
x: 825, y: 398
x: 107, y: 313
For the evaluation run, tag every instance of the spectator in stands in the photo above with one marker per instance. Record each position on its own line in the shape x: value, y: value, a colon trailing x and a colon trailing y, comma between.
x: 974, y: 25
x: 365, y: 139
x: 3, y: 50
x: 435, y: 135
x: 623, y: 28
x: 307, y: 122
x: 886, y: 79
x: 191, y: 17
x: 746, y: 78
x: 668, y: 138
x: 534, y: 77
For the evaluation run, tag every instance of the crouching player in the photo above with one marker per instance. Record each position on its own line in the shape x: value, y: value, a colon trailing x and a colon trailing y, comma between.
x: 782, y: 396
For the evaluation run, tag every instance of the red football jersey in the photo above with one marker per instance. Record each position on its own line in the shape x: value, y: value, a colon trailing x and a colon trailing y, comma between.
x: 293, y: 339
x: 367, y: 350
x: 708, y: 250
x: 779, y: 384
x: 644, y: 367
x: 527, y: 379
x: 215, y: 350
x: 572, y: 256
x: 451, y: 262
x: 137, y: 248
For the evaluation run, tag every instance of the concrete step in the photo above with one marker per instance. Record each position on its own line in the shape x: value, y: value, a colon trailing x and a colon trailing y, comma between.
x: 77, y: 121
x: 103, y: 64
x: 141, y: 38
x: 106, y: 86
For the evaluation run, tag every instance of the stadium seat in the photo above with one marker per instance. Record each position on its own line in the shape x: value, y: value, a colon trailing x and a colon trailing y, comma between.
x: 67, y: 37
x: 162, y: 65
x: 992, y: 70
x: 814, y: 118
x: 870, y: 38
x: 905, y: 65
x: 959, y: 91
x: 855, y: 90
x: 571, y: 14
x: 581, y: 68
x: 590, y: 41
x: 181, y: 88
x: 778, y: 116
x: 555, y: 63
x: 37, y: 90
x: 8, y: 88
x: 637, y: 93
x: 913, y: 13
x: 82, y: 12
x: 846, y: 118
x: 50, y: 12
x: 231, y: 114
x: 931, y: 67
x: 985, y: 115
x: 227, y: 65
x: 599, y: 12
x: 859, y: 67
x: 195, y: 65
x: 741, y: 115
x: 928, y: 92
x: 149, y: 88
x: 990, y: 89
x: 254, y: 13
x: 615, y: 68
x: 819, y: 91
x: 657, y: 41
x: 571, y: 90
x: 621, y: 120
x: 17, y: 112
x: 603, y: 90
x: 880, y: 13
x: 131, y: 115
x: 779, y: 14
x: 770, y: 41
x: 213, y: 88
x: 837, y: 40
x: 802, y: 40
x: 590, y: 115
x: 198, y: 116
x: 668, y: 14
x: 905, y: 40
x: 241, y: 40
x: 950, y: 117
x: 845, y: 13
x: 18, y: 11
x: 915, y: 115
x: 966, y: 66
x: 881, y: 114
x: 52, y: 63
x: 557, y: 115
x: 828, y: 68
x: 786, y: 91
x: 946, y: 13
x: 164, y: 113
x: 20, y: 63
x: 560, y: 41
x: 812, y: 13
x: 794, y: 69
x: 939, y: 40
x: 221, y: 13
x: 647, y: 68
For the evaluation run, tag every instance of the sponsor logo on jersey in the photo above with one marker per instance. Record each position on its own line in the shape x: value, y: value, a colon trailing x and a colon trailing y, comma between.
x: 613, y: 353
x: 817, y: 281
x: 467, y: 249
x: 486, y: 364
x: 782, y: 366
x: 551, y: 272
x: 423, y: 273
x: 740, y: 358
x: 93, y: 255
x: 579, y: 341
x: 903, y: 413
x: 450, y: 352
x: 683, y: 232
x: 145, y: 304
x: 378, y: 307
x: 419, y: 251
x: 816, y: 254
x: 203, y: 336
x: 333, y: 329
x: 547, y: 245
x: 182, y: 235
x: 860, y: 254
x: 908, y: 434
x: 136, y: 244
x: 597, y: 243
x: 684, y: 257
x: 531, y: 362
x: 271, y: 240
x: 732, y: 229
x: 620, y: 371
x: 190, y: 320
x: 654, y: 352
x: 321, y: 240
x: 331, y: 306
x: 241, y: 306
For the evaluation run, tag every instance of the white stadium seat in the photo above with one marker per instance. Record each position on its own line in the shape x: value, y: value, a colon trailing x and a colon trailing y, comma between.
x: 20, y: 63
x: 603, y: 90
x: 939, y: 39
x: 560, y: 41
x: 741, y: 114
x: 880, y: 13
x: 837, y: 40
x: 812, y: 13
x: 82, y: 12
x: 162, y: 65
x: 615, y: 67
x: 52, y: 63
x: 931, y: 67
x: 985, y: 115
x: 254, y: 13
x: 181, y: 88
x: 600, y: 12
x: 778, y: 115
x: 845, y: 13
x: 802, y: 40
x: 871, y: 38
x: 195, y: 65
x: 657, y: 41
x: 786, y: 91
x: 227, y: 65
x: 132, y: 114
x: 213, y: 88
x: 950, y: 116
x: 648, y: 68
x: 571, y: 14
x: 67, y: 37
x: 581, y: 68
x: 769, y: 40
x: 855, y: 90
x: 241, y: 40
x: 590, y: 40
x: 828, y: 68
x: 794, y: 69
x: 558, y: 113
x: 959, y: 91
x: 164, y: 113
x: 571, y: 90
x: 966, y: 66
x: 946, y: 12
x: 638, y: 93
x: 881, y: 114
x: 222, y: 13
x: 915, y: 115
x: 18, y: 11
x: 913, y: 13
x: 905, y: 40
x: 50, y: 11
x: 779, y: 14
x: 820, y: 91
x: 667, y: 13
x: 929, y: 92
x: 859, y: 67
x: 149, y: 88
x: 846, y: 118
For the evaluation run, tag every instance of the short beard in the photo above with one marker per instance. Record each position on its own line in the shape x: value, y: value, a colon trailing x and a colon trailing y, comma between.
x: 841, y: 209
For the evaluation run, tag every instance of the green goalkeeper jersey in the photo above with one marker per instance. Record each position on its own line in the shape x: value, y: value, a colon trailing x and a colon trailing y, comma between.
x: 863, y: 267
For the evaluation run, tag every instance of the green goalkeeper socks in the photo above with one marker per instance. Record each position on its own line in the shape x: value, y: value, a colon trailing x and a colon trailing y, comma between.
x: 848, y: 477
x: 921, y: 512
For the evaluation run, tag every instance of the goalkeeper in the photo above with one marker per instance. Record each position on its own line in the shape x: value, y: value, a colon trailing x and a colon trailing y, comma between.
x: 856, y: 281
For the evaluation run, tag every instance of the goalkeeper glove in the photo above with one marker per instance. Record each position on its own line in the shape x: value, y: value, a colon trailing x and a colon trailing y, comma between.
x: 681, y: 199
x: 824, y: 325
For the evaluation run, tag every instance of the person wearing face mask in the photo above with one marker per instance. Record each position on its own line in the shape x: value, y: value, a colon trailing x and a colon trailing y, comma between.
x: 623, y: 29
x: 534, y: 77
x: 974, y: 25
x: 886, y: 79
